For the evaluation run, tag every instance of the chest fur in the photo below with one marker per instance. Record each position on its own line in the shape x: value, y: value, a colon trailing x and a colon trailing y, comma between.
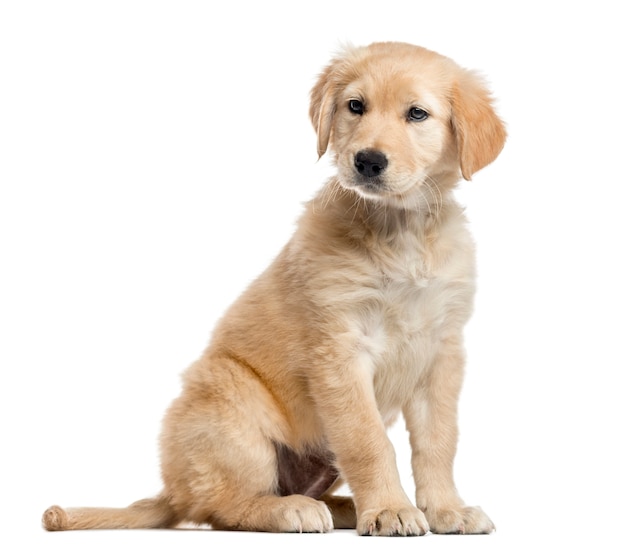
x: 424, y: 293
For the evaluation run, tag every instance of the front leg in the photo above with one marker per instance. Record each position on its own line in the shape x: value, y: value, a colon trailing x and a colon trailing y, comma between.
x: 431, y: 419
x: 355, y: 431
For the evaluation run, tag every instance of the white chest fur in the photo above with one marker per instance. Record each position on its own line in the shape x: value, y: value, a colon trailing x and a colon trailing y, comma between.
x: 424, y: 293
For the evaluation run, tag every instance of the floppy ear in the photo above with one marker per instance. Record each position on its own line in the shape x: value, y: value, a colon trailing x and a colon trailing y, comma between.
x: 322, y: 108
x: 480, y: 134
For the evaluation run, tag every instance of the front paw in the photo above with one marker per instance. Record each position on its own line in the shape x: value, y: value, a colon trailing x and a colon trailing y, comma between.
x: 406, y: 521
x: 470, y: 520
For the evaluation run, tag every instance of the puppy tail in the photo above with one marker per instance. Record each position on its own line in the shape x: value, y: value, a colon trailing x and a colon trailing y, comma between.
x: 150, y: 513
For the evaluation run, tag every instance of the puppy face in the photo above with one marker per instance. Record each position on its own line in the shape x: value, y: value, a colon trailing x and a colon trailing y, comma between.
x: 390, y: 132
x: 402, y: 120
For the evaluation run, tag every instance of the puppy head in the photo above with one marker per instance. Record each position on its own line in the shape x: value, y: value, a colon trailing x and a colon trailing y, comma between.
x: 399, y: 117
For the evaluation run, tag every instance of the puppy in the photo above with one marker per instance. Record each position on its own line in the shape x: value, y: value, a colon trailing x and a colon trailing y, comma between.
x: 358, y: 319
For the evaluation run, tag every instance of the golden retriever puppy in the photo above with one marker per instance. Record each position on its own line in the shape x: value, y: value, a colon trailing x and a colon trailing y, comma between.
x: 359, y: 319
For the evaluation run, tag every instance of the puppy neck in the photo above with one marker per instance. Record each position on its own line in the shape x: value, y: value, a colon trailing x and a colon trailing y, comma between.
x: 346, y: 210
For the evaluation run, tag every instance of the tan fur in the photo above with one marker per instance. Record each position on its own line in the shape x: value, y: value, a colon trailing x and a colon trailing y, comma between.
x: 358, y: 319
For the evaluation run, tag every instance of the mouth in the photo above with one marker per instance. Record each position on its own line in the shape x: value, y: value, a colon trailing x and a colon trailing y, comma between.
x: 390, y: 193
x: 373, y: 187
x: 373, y: 190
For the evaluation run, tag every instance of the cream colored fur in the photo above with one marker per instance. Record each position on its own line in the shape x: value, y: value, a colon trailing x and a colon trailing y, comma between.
x: 359, y: 319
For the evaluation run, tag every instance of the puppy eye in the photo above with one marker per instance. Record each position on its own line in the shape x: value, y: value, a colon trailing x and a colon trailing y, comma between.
x: 417, y: 114
x: 356, y: 106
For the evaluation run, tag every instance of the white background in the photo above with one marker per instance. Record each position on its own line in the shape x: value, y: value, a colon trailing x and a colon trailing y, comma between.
x: 154, y: 157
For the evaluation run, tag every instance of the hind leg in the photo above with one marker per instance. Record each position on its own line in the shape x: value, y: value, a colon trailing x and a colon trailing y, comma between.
x: 219, y: 458
x: 277, y: 514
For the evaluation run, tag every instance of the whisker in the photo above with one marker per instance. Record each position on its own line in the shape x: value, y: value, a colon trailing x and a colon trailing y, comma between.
x: 329, y: 195
x: 354, y: 207
x: 425, y: 197
x: 436, y: 194
x: 439, y: 198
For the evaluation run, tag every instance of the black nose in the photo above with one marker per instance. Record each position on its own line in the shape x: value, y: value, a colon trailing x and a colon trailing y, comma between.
x: 370, y: 163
